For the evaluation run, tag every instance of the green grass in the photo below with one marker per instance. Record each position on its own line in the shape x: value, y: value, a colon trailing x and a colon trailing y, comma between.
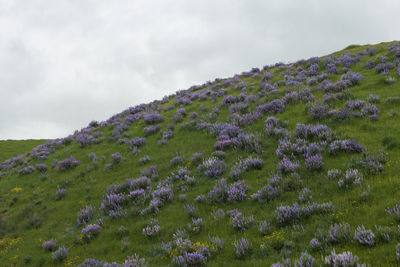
x: 33, y: 215
x: 12, y: 148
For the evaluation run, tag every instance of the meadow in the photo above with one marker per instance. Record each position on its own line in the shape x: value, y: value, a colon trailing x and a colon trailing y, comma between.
x: 288, y: 164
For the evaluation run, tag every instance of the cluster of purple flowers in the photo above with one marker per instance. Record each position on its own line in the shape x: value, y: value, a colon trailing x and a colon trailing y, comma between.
x: 239, y: 221
x: 116, y: 158
x: 245, y: 165
x: 319, y: 110
x: 353, y: 77
x: 237, y: 191
x: 352, y: 176
x: 219, y: 193
x: 60, y: 254
x: 370, y: 64
x: 134, y: 260
x: 394, y: 212
x: 152, y: 129
x: 151, y: 229
x: 355, y: 104
x: 274, y: 127
x: 212, y: 167
x: 338, y: 233
x: 68, y: 163
x: 167, y: 134
x: 175, y: 161
x: 266, y: 193
x: 343, y: 259
x: 242, y: 247
x: 289, y: 214
x: 41, y: 167
x: 26, y: 170
x: 196, y: 225
x: 49, y: 245
x: 287, y: 166
x: 370, y: 110
x: 180, y: 114
x: 350, y: 146
x: 85, y: 215
x: 85, y: 138
x: 313, y: 132
x: 364, y: 237
x: 91, y: 231
x: 384, y: 68
x: 153, y: 117
x: 291, y: 98
x: 275, y: 106
x: 372, y: 163
x: 60, y: 193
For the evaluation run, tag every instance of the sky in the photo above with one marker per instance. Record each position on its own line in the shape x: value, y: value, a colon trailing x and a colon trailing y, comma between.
x: 66, y: 63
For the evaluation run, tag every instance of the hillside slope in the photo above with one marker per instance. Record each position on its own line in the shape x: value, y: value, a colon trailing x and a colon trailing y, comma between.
x: 289, y: 163
x: 12, y: 148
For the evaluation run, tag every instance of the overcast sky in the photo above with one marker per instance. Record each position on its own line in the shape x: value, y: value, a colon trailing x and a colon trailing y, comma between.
x: 65, y: 63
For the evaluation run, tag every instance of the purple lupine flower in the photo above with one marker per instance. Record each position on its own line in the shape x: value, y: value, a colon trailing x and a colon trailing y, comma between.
x: 272, y: 107
x: 220, y: 192
x: 152, y: 129
x: 339, y: 233
x: 153, y: 117
x: 287, y: 166
x: 68, y: 163
x: 152, y: 228
x: 239, y: 221
x: 85, y: 215
x: 139, y: 183
x: 314, y: 162
x: 266, y: 193
x: 212, y: 167
x: 305, y: 195
x: 242, y: 247
x: 194, y: 259
x: 344, y: 259
x: 60, y: 193
x: 90, y: 231
x: 237, y: 192
x: 196, y: 225
x: 319, y: 110
x: 369, y: 109
x: 394, y: 212
x: 41, y: 167
x: 287, y: 214
x: 355, y: 104
x: 26, y: 170
x: 370, y: 64
x: 315, y: 244
x: 175, y: 161
x: 116, y: 158
x: 384, y: 68
x: 305, y: 260
x: 60, y: 254
x: 352, y: 176
x: 364, y: 237
x: 49, y: 245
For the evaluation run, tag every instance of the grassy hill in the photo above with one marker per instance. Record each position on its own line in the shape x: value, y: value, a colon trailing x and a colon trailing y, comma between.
x: 288, y: 163
x: 12, y: 148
